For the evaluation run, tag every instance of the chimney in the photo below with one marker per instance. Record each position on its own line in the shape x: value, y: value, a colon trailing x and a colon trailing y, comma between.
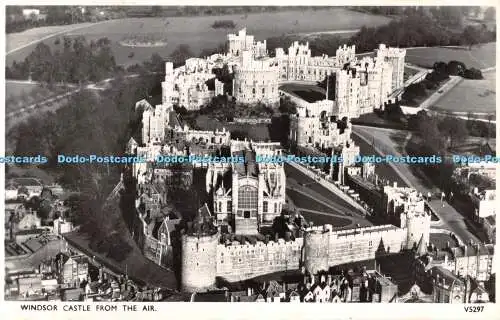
x: 249, y: 291
x: 312, y: 279
x: 329, y: 280
x: 305, y: 279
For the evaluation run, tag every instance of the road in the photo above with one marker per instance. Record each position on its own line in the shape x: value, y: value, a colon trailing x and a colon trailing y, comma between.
x: 55, y: 34
x: 450, y: 218
x: 54, y: 103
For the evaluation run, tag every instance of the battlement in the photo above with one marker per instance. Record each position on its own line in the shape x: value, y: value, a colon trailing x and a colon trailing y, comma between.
x: 237, y: 245
x: 391, y: 51
x: 351, y: 232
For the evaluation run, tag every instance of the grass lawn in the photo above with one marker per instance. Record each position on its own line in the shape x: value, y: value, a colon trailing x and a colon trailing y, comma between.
x: 305, y: 202
x: 319, y: 219
x: 428, y: 92
x: 378, y: 121
x: 383, y: 170
x: 198, y: 33
x: 471, y: 96
x: 440, y: 240
x: 257, y: 132
x: 479, y: 57
x: 307, y: 92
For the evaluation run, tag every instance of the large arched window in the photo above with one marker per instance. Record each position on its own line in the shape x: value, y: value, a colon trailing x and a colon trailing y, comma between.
x: 247, y: 197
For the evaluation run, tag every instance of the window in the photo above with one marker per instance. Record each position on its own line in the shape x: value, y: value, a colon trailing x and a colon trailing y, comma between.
x: 264, y: 206
x: 229, y: 205
x: 247, y: 197
x: 275, y: 208
x: 246, y: 214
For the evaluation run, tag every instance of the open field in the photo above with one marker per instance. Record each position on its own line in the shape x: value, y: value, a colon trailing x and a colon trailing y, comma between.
x: 18, y: 40
x: 198, y: 33
x: 477, y: 96
x: 479, y: 57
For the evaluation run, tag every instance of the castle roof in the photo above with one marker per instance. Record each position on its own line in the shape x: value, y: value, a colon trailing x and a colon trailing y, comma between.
x: 422, y: 246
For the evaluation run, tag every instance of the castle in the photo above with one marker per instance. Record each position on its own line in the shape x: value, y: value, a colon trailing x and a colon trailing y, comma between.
x: 230, y: 238
x: 248, y: 194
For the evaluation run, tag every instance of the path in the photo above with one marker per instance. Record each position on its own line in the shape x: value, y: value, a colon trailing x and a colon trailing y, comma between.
x: 448, y: 215
x: 54, y: 35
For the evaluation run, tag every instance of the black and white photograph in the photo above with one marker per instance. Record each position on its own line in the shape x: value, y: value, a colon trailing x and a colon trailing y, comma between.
x: 244, y: 153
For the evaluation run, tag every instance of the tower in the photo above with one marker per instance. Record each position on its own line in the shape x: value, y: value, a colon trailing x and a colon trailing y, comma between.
x: 167, y: 86
x: 199, y: 265
x: 396, y: 57
x: 315, y: 250
x: 416, y: 221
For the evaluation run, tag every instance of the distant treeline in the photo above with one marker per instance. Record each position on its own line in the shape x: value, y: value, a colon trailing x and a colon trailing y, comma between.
x: 179, y: 11
x: 224, y: 24
x: 53, y: 16
x: 416, y: 29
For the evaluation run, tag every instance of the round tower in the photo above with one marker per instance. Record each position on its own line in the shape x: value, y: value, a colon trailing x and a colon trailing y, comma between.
x: 316, y: 241
x: 418, y: 225
x: 199, y: 264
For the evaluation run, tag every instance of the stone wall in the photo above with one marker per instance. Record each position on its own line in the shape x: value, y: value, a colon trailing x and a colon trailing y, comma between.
x: 236, y: 262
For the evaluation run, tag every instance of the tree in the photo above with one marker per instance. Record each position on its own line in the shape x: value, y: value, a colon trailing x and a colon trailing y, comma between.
x: 181, y: 54
x: 490, y: 14
x: 431, y: 136
x: 490, y: 117
x: 454, y: 129
x: 471, y: 36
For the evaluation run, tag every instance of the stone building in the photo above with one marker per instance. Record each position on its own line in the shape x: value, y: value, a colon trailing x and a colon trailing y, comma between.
x: 406, y: 207
x: 317, y: 125
x: 255, y: 80
x: 237, y: 43
x: 247, y: 195
x: 396, y: 57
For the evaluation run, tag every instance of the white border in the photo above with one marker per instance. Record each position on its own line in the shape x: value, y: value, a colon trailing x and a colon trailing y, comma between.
x: 11, y: 310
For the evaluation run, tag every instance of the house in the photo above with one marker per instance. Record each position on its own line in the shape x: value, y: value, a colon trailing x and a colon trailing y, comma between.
x: 211, y: 296
x: 476, y: 293
x: 321, y: 292
x: 29, y: 286
x: 72, y: 270
x: 475, y: 260
x: 489, y: 227
x: 274, y: 292
x: 294, y: 296
x: 75, y: 294
x: 62, y: 226
x: 447, y: 287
